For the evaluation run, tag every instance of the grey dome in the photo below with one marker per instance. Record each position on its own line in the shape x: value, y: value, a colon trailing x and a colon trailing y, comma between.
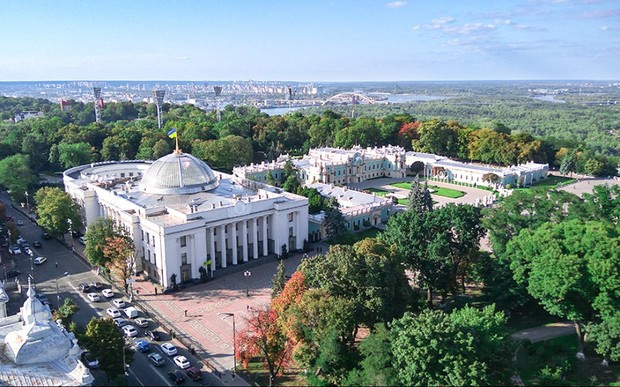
x: 178, y: 174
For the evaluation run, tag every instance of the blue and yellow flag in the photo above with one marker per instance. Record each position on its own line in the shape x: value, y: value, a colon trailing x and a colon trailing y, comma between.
x: 172, y: 133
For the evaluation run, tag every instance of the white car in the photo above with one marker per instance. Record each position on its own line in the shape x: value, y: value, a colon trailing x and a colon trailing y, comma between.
x: 130, y: 331
x: 113, y: 312
x: 120, y: 322
x: 39, y: 260
x: 21, y: 241
x: 94, y: 297
x: 181, y: 361
x: 119, y: 303
x: 15, y: 250
x: 168, y: 349
x: 142, y: 322
x: 107, y: 293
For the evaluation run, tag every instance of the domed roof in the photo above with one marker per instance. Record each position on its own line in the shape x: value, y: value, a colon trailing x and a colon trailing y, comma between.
x: 178, y: 174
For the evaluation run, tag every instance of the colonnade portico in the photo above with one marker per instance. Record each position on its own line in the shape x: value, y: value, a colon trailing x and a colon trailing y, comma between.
x: 220, y: 241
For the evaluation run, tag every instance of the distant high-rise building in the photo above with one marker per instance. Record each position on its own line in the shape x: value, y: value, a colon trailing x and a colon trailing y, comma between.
x: 158, y: 97
x: 98, y: 103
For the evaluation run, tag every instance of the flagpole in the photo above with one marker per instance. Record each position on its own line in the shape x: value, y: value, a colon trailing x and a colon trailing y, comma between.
x: 177, y: 141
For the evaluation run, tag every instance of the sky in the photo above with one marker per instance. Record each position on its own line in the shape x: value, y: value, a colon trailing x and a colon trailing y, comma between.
x: 310, y: 40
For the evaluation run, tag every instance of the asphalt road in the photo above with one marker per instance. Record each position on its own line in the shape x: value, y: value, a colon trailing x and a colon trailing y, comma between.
x: 60, y: 281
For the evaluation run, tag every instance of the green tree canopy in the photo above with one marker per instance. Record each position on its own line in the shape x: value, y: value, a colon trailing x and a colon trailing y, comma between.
x: 106, y: 342
x: 57, y: 212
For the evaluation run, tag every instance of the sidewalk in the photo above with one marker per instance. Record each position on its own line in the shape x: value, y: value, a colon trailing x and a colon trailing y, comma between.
x: 201, y: 316
x: 546, y: 332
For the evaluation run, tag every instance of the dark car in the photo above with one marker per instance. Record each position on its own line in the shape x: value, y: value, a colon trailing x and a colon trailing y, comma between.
x: 12, y: 274
x: 153, y: 335
x: 36, y: 244
x: 194, y: 373
x: 176, y: 376
x: 46, y: 236
x: 85, y: 288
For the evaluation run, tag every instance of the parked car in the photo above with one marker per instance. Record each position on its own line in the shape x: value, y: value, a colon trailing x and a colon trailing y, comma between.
x: 113, y: 312
x: 131, y: 312
x: 12, y: 274
x: 27, y: 250
x: 141, y: 322
x: 181, y: 362
x: 130, y: 331
x: 82, y: 240
x: 194, y: 373
x: 94, y: 297
x: 156, y: 359
x: 153, y: 335
x: 176, y: 376
x: 89, y: 360
x: 95, y: 285
x: 107, y: 293
x: 143, y: 346
x: 84, y: 288
x: 120, y: 322
x: 119, y: 303
x: 21, y: 241
x: 15, y: 250
x: 20, y: 222
x: 37, y: 244
x: 168, y: 349
x: 46, y: 236
x: 39, y: 260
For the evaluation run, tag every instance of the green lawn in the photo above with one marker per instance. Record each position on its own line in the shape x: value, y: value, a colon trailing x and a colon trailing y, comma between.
x: 439, y: 191
x: 551, y: 182
x: 377, y: 191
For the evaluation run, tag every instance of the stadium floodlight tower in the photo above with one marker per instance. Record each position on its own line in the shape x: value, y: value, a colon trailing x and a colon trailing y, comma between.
x: 158, y: 96
x: 218, y: 93
x: 98, y: 103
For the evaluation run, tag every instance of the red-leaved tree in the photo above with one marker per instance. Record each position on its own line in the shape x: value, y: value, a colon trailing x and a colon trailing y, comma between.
x: 263, y: 337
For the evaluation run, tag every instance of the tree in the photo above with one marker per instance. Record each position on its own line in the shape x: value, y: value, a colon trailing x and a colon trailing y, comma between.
x: 434, y: 348
x: 377, y: 359
x: 16, y: 175
x: 606, y: 335
x: 420, y: 200
x: 71, y: 155
x: 56, y: 211
x: 571, y: 268
x: 263, y: 337
x: 569, y: 163
x: 224, y: 153
x: 118, y: 252
x: 96, y: 236
x: 490, y: 178
x: 279, y: 280
x: 66, y: 311
x: 604, y: 203
x: 334, y: 221
x: 105, y: 341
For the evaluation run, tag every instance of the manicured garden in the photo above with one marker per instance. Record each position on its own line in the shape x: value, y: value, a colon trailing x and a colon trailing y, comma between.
x: 552, y: 182
x: 436, y: 190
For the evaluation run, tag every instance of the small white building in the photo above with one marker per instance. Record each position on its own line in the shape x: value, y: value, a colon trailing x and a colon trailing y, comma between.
x: 37, y: 352
x: 183, y: 216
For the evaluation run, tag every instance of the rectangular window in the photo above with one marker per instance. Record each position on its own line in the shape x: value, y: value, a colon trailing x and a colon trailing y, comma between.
x: 123, y: 174
x: 183, y: 241
x: 148, y: 238
x: 290, y: 217
x: 155, y: 259
x: 214, y: 231
x: 149, y: 256
x: 184, y: 259
x: 142, y: 232
x: 290, y: 231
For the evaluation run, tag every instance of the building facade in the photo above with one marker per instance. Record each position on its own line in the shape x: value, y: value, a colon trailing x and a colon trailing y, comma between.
x: 334, y: 166
x: 183, y: 216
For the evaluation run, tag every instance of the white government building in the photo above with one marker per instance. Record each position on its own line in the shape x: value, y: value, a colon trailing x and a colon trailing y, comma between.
x: 183, y: 216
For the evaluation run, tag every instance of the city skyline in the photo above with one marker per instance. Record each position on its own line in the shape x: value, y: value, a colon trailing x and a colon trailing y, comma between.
x: 319, y: 41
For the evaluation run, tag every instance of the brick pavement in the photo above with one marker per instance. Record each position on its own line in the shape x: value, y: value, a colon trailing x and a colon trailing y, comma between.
x: 204, y: 328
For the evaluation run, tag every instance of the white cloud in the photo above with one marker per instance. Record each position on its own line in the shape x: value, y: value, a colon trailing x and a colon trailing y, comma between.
x: 469, y: 28
x: 604, y: 28
x: 396, y: 4
x: 442, y: 20
x: 415, y: 28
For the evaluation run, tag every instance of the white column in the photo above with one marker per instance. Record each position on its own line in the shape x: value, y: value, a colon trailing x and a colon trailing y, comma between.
x: 254, y: 231
x: 265, y: 241
x: 223, y: 244
x: 211, y: 243
x: 244, y: 239
x: 233, y: 241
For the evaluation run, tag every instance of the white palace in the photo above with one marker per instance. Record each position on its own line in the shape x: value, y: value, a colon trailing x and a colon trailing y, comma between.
x: 183, y: 216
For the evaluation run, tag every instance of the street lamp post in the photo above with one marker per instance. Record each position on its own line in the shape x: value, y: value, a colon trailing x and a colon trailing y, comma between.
x: 27, y: 205
x: 234, y: 341
x: 71, y: 233
x: 31, y: 253
x: 247, y: 275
